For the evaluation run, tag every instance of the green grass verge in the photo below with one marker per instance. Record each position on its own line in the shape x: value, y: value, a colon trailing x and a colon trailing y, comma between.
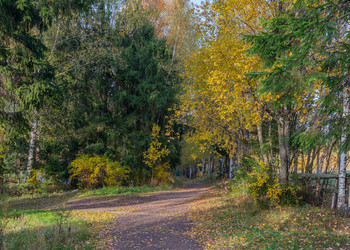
x: 39, y: 222
x: 35, y: 201
x: 30, y: 229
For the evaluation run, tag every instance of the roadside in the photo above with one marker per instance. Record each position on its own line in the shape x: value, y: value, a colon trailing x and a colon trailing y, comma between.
x: 147, y: 220
x: 229, y: 219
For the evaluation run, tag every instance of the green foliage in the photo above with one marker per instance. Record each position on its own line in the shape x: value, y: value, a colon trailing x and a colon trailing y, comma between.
x: 113, y: 85
x: 96, y: 171
x: 25, y: 73
x: 13, y: 175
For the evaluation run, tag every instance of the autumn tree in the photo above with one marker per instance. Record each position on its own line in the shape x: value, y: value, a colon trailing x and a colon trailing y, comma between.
x: 220, y: 100
x: 310, y: 42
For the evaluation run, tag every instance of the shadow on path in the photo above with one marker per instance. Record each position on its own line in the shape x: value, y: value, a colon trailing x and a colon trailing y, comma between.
x: 155, y: 221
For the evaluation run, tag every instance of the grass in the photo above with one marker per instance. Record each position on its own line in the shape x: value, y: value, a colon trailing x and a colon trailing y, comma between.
x: 232, y: 220
x: 45, y: 230
x: 42, y: 222
x: 35, y: 201
x: 107, y: 191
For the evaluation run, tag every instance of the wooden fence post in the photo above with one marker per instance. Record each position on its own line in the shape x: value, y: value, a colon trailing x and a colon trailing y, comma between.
x: 334, y: 198
x: 349, y: 194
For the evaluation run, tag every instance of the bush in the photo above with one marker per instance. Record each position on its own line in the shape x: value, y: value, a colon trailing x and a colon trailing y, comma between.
x: 154, y: 158
x: 14, y: 184
x: 43, y: 183
x: 161, y: 175
x: 267, y: 191
x: 96, y: 171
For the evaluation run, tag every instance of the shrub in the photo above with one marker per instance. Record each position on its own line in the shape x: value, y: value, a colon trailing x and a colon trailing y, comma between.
x: 154, y: 158
x: 267, y: 191
x: 38, y: 176
x: 96, y: 171
x: 161, y: 175
x: 14, y: 184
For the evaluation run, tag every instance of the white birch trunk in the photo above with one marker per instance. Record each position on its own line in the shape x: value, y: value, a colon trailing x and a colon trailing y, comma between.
x: 32, y: 145
x: 343, y: 158
x: 283, y: 129
x: 261, y: 144
x: 231, y: 168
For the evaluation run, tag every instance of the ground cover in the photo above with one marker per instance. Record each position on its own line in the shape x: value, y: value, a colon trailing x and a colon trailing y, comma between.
x: 232, y: 220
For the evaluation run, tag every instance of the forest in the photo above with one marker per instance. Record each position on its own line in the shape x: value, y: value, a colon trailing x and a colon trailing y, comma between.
x: 106, y: 97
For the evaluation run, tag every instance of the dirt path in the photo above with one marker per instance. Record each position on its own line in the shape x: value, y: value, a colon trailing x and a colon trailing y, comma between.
x: 155, y: 221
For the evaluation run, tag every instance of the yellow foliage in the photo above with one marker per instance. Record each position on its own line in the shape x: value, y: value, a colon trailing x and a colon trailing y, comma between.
x: 161, y: 175
x: 269, y: 191
x: 219, y: 96
x: 38, y: 176
x: 154, y: 157
x: 200, y: 174
x: 97, y: 171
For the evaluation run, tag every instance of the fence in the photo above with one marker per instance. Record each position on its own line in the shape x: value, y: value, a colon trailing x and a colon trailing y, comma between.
x: 322, y: 189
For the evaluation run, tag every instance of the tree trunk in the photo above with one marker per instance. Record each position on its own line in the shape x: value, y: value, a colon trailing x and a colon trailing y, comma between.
x: 231, y: 168
x: 343, y: 157
x: 32, y: 145
x: 261, y: 144
x: 203, y: 165
x: 283, y: 131
x: 296, y: 157
x: 209, y: 166
x: 223, y: 160
x: 240, y: 147
x: 302, y: 162
x: 310, y: 160
x: 320, y: 161
x: 307, y: 163
x: 270, y: 144
x: 212, y: 165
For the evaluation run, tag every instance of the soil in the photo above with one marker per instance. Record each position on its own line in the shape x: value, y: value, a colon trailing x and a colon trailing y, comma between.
x: 153, y: 221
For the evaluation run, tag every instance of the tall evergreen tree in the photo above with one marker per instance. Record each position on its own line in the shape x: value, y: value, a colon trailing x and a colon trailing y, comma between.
x: 115, y: 85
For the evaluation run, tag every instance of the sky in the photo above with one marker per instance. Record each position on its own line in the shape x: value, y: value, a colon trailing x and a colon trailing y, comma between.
x: 196, y: 1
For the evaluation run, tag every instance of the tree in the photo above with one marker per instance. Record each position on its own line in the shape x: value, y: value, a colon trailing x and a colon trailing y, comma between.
x: 219, y: 99
x: 113, y: 85
x: 24, y: 72
x: 283, y: 79
x: 154, y: 158
x: 310, y: 42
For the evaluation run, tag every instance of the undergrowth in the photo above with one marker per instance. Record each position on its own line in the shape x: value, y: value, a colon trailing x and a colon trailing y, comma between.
x: 39, y: 229
x: 230, y: 218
